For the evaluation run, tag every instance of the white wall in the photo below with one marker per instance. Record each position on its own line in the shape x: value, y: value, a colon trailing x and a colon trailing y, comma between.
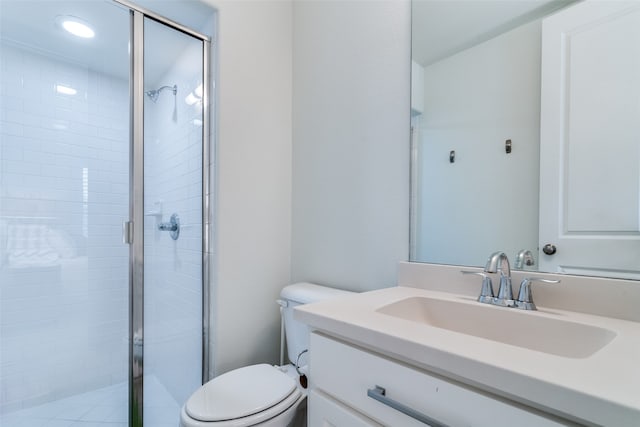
x: 355, y: 78
x: 351, y: 110
x: 474, y: 101
x: 253, y: 207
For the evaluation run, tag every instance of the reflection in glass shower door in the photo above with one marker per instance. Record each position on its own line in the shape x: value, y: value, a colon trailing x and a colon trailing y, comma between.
x: 64, y: 150
x: 173, y: 120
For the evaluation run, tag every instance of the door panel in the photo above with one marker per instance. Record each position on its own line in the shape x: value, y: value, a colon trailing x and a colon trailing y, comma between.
x: 173, y: 119
x: 64, y: 150
x: 590, y: 140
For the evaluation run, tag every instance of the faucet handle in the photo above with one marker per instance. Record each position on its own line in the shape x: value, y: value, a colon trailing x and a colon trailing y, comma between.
x: 525, y: 296
x: 486, y: 293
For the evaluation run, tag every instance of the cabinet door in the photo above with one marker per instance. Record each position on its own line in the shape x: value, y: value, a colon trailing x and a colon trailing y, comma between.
x: 325, y: 412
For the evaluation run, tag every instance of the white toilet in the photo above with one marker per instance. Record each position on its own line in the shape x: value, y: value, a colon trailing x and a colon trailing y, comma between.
x: 260, y: 395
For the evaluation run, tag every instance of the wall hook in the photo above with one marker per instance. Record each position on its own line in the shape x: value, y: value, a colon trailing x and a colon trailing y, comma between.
x: 507, y: 146
x: 452, y: 156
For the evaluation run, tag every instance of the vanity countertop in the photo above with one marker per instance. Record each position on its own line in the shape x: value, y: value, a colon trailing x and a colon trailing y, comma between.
x: 602, y: 389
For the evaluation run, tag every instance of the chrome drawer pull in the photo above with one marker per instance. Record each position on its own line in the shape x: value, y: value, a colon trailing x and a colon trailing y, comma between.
x: 378, y: 394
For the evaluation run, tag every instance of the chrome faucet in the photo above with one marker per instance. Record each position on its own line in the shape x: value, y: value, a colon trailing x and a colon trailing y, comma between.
x: 498, y: 261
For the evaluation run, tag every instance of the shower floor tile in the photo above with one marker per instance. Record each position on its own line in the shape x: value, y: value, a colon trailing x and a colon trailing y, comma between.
x: 104, y: 407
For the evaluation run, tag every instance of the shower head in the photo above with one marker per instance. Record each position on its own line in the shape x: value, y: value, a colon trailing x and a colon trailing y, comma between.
x: 155, y: 93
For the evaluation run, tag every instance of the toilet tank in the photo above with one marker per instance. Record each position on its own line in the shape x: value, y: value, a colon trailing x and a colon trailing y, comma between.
x: 297, y: 333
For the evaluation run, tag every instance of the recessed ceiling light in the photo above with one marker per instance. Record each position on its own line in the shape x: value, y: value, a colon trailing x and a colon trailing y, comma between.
x: 191, y: 99
x: 194, y: 97
x: 65, y: 90
x: 76, y: 26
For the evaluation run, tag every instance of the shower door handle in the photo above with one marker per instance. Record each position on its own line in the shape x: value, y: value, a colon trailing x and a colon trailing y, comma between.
x: 127, y: 232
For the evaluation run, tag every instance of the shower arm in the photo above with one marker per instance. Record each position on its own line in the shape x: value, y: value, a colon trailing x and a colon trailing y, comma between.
x: 155, y: 93
x: 173, y: 88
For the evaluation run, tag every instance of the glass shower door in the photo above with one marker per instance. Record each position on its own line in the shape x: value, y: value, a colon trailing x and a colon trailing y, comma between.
x: 100, y: 128
x: 173, y: 152
x: 64, y: 173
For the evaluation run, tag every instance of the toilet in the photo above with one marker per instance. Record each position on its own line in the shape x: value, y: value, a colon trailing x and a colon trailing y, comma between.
x: 261, y: 395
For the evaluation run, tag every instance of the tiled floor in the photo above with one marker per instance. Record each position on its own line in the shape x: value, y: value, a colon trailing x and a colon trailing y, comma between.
x: 105, y: 407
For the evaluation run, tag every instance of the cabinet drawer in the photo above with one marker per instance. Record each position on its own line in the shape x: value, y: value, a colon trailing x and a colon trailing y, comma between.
x: 348, y: 373
x: 326, y: 412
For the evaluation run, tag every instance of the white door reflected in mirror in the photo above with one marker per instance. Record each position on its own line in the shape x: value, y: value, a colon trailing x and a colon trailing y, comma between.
x: 590, y: 139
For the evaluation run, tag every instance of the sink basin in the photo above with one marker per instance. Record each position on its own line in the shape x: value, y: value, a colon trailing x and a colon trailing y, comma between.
x: 530, y: 330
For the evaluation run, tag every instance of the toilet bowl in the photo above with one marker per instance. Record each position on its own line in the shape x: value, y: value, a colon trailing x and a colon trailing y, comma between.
x: 257, y: 395
x: 260, y: 395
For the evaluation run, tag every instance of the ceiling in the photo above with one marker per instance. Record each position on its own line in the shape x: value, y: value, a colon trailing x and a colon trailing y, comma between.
x: 441, y: 28
x: 32, y: 24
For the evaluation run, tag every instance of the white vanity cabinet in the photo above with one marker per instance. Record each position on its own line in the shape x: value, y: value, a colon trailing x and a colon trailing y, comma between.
x: 343, y: 376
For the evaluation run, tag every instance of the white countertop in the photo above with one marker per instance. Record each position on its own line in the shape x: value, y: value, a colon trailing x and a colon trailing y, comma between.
x: 602, y: 389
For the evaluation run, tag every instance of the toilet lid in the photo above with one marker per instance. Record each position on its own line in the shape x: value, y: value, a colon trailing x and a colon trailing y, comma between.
x: 240, y: 393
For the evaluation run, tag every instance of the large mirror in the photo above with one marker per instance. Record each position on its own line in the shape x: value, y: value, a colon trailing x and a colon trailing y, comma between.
x: 526, y: 134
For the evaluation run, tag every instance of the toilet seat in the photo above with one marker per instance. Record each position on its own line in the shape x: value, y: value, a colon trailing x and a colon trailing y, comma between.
x: 243, y: 397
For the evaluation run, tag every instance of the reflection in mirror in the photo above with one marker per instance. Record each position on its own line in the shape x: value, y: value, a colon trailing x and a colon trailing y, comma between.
x: 525, y: 134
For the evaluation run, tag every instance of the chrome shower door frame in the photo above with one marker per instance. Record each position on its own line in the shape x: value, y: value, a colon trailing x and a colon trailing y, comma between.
x: 136, y: 204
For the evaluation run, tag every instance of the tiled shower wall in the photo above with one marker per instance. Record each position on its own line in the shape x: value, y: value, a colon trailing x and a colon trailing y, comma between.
x: 63, y: 197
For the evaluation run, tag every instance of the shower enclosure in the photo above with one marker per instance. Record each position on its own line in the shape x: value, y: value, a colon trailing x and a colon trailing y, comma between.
x: 104, y: 214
